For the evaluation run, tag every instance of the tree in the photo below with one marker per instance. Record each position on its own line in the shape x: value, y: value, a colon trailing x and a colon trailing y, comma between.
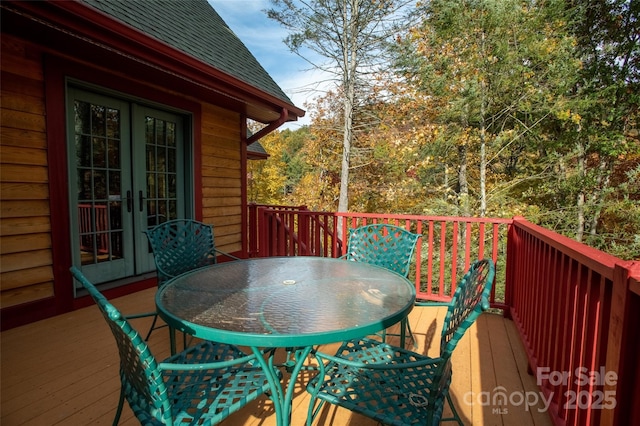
x: 499, y: 107
x: 544, y: 97
x: 349, y: 36
x: 265, y: 181
x: 592, y: 143
x: 604, y: 114
x: 319, y: 187
x: 494, y: 69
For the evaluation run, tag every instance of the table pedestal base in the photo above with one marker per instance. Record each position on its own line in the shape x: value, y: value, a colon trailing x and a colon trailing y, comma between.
x: 280, y: 396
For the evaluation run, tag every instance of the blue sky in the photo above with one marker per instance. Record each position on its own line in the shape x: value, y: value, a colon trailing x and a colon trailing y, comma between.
x: 263, y: 37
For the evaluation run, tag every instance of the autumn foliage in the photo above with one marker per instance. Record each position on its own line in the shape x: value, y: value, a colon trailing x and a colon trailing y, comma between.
x: 485, y: 109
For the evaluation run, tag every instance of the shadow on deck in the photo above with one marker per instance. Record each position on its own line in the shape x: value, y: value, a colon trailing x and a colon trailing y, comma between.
x: 64, y: 370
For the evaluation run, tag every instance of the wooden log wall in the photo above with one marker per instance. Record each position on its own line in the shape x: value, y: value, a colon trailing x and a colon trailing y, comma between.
x: 26, y: 272
x: 222, y: 178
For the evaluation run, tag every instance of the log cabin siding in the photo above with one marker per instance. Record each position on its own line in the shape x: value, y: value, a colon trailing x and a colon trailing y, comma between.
x: 26, y: 272
x: 222, y: 178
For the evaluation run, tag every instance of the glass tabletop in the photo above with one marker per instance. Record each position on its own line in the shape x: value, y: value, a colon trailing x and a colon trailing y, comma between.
x: 290, y: 301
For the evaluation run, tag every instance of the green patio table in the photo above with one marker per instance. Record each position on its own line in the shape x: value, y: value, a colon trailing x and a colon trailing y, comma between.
x: 285, y: 302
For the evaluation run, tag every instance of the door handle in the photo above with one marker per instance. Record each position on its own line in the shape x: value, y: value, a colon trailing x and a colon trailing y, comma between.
x: 141, y: 199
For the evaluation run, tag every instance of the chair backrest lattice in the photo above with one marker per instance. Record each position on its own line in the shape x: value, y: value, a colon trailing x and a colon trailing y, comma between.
x: 383, y: 245
x: 392, y: 384
x: 470, y: 299
x: 179, y: 246
x: 139, y: 372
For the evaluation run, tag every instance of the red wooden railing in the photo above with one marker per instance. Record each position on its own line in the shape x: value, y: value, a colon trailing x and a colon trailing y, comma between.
x: 93, y: 221
x: 445, y: 251
x: 576, y: 308
x: 291, y: 231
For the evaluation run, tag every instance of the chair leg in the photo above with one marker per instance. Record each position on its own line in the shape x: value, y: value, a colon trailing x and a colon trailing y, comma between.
x: 405, y: 332
x: 120, y: 406
x: 184, y: 341
x: 456, y: 416
x: 413, y: 339
x: 153, y: 326
x: 172, y: 340
x: 313, y: 410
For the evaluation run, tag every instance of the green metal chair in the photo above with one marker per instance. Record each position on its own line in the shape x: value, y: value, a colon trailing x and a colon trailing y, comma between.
x: 384, y: 245
x: 202, y: 385
x: 179, y: 246
x: 396, y: 386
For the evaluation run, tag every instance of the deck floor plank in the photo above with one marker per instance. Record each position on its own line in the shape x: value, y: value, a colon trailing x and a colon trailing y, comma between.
x: 64, y: 371
x: 505, y: 398
x: 539, y: 413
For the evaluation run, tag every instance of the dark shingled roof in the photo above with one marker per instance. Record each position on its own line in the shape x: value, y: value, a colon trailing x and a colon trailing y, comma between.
x: 256, y: 151
x: 195, y: 28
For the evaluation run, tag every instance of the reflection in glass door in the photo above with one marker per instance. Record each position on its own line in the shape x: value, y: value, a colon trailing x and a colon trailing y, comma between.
x: 160, y: 189
x: 162, y: 160
x: 99, y: 180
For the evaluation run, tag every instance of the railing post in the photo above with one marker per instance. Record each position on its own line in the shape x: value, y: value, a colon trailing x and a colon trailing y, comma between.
x: 302, y: 245
x: 253, y: 230
x: 512, y: 261
x: 623, y: 348
x: 264, y: 228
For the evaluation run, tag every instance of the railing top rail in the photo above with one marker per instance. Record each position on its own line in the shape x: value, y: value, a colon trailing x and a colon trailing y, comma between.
x: 597, y: 260
x: 384, y: 216
x: 278, y: 207
x: 426, y: 218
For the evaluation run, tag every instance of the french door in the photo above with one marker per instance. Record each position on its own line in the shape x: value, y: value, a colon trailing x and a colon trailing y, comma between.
x: 126, y: 174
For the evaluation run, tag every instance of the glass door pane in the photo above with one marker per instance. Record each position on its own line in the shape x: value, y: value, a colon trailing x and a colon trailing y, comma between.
x: 162, y: 180
x: 99, y: 182
x: 160, y: 187
x: 99, y: 178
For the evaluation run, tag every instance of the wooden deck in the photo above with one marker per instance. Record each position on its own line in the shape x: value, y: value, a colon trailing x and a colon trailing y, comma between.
x: 64, y: 370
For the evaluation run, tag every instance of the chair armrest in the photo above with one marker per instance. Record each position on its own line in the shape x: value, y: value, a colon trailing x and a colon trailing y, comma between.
x: 424, y: 361
x: 142, y: 315
x: 484, y: 303
x: 177, y: 366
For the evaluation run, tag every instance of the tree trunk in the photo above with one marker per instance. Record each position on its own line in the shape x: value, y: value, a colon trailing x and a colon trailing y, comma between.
x: 463, y: 185
x: 350, y: 57
x: 350, y: 60
x: 483, y: 174
x: 483, y: 140
x: 343, y: 201
x: 581, y: 196
x: 597, y: 200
